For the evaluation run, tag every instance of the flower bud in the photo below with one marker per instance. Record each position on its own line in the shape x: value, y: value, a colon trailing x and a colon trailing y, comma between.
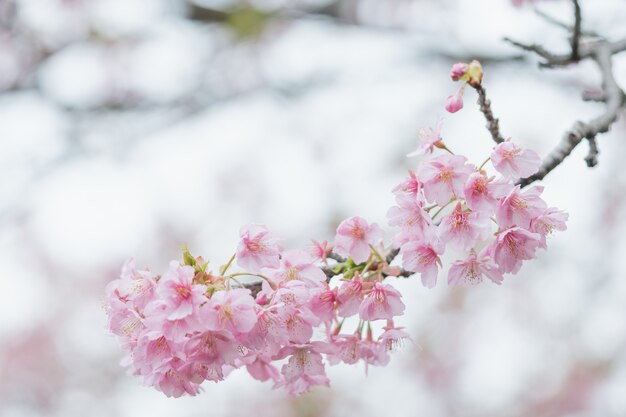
x: 458, y: 71
x: 454, y: 103
x: 474, y: 73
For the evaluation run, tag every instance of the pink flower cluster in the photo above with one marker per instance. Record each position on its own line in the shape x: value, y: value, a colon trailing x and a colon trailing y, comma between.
x: 488, y: 219
x: 188, y: 325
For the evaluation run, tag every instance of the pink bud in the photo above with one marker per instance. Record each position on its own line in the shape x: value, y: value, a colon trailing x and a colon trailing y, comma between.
x: 454, y: 103
x: 458, y: 70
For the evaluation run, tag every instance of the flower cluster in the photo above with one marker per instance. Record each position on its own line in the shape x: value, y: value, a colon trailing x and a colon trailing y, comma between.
x: 190, y: 325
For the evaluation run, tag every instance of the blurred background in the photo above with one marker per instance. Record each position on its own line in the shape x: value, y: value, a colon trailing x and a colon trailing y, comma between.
x: 132, y: 127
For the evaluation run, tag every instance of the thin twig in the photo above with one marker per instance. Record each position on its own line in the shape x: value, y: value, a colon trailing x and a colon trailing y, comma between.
x: 570, y: 28
x: 576, y: 31
x: 592, y: 155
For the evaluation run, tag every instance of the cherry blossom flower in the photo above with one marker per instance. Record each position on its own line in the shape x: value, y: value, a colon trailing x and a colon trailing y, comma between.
x: 393, y: 337
x: 462, y: 228
x: 383, y: 302
x: 323, y: 304
x: 512, y: 246
x: 305, y: 367
x: 520, y: 207
x: 548, y: 221
x: 410, y: 216
x: 512, y: 161
x: 471, y: 270
x: 423, y: 257
x: 320, y: 250
x: 232, y: 310
x: 257, y: 249
x: 346, y: 349
x: 482, y: 193
x: 296, y: 265
x: 354, y: 235
x: 134, y: 286
x: 428, y: 139
x: 349, y: 297
x: 410, y: 186
x: 444, y: 177
x: 179, y: 294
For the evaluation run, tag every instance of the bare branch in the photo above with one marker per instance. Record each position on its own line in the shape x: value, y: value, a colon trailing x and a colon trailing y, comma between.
x: 601, y: 53
x: 550, y: 60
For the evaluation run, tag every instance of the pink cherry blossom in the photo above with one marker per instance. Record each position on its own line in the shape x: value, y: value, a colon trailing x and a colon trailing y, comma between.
x: 354, y: 235
x: 261, y: 369
x: 349, y: 297
x: 208, y: 353
x: 410, y: 186
x: 410, y: 216
x: 383, y: 302
x: 232, y: 310
x: 462, y: 228
x: 305, y: 367
x: 428, y: 139
x: 471, y: 270
x: 320, y: 250
x: 512, y: 246
x: 454, y: 103
x: 171, y: 381
x: 423, y: 257
x: 179, y: 294
x: 482, y: 193
x: 393, y: 337
x: 134, y: 287
x: 512, y: 161
x: 520, y: 207
x: 257, y: 249
x: 296, y: 265
x: 548, y: 221
x: 444, y: 177
x: 346, y: 349
x: 323, y: 304
x: 268, y: 333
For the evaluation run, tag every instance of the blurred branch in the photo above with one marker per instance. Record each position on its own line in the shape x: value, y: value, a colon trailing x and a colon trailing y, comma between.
x: 576, y: 30
x: 601, y: 52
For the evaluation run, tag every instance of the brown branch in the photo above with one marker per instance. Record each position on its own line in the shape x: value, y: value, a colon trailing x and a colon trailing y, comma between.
x: 601, y: 53
x: 592, y: 156
x: 485, y: 107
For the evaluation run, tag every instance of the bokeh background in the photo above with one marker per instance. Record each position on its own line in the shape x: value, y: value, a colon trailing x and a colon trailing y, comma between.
x: 132, y: 127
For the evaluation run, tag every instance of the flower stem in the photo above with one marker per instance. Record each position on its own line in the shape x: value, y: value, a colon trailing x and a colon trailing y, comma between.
x: 225, y: 267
